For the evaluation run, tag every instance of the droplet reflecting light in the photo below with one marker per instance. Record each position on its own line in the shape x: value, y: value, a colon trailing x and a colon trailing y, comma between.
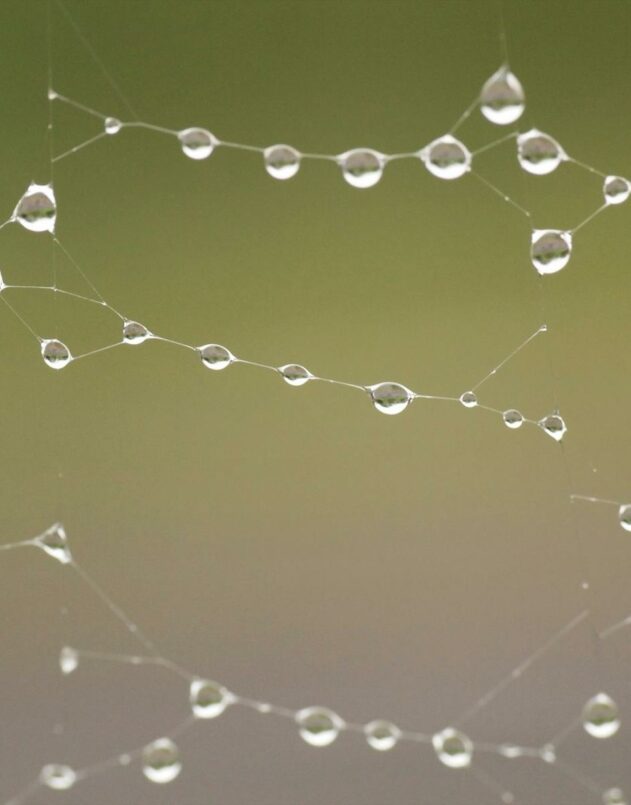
x: 600, y: 716
x: 362, y: 167
x: 197, y: 143
x: 295, y: 375
x: 216, y: 357
x: 55, y: 353
x: 616, y: 190
x: 453, y: 748
x: 382, y: 735
x: 135, y: 333
x: 37, y: 209
x: 390, y: 398
x: 55, y: 543
x: 538, y: 153
x: 550, y: 250
x: 209, y: 699
x: 281, y: 161
x: 161, y: 761
x: 446, y: 158
x: 502, y: 100
x: 58, y: 776
x: 318, y: 726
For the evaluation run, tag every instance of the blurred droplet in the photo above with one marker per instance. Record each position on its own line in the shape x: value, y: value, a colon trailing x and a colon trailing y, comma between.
x: 382, y: 735
x: 58, y: 776
x: 453, y: 748
x: 161, y: 761
x: 209, y: 699
x: 600, y: 716
x: 68, y: 660
x: 624, y: 516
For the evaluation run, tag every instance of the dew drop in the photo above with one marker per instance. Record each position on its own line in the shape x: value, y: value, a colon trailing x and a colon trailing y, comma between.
x: 502, y: 100
x: 362, y: 167
x: 37, y: 209
x: 550, y: 250
x: 161, y: 761
x: 55, y: 353
x: 55, y: 543
x: 510, y: 751
x: 281, y: 161
x: 453, y: 748
x: 58, y: 776
x: 52, y: 95
x: 446, y: 158
x: 68, y: 660
x: 318, y: 726
x: 548, y: 753
x: 208, y: 699
x: 382, y: 735
x: 554, y: 426
x: 624, y: 516
x: 295, y: 375
x: 216, y: 357
x: 468, y: 399
x: 134, y: 332
x: 614, y: 796
x: 112, y: 125
x: 539, y: 153
x: 390, y: 398
x: 616, y: 190
x: 513, y: 419
x: 600, y: 716
x: 197, y: 143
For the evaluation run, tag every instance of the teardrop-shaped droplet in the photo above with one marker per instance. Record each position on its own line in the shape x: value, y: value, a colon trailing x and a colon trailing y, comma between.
x: 469, y: 399
x: 446, y: 158
x: 600, y: 716
x: 209, y: 699
x: 197, y: 143
x: 502, y: 100
x: 55, y: 543
x: 616, y: 189
x: 161, y: 761
x: 513, y: 419
x: 382, y: 735
x: 134, y: 332
x: 362, y: 167
x: 539, y: 153
x: 294, y: 374
x: 37, y: 209
x: 624, y: 516
x: 281, y: 161
x: 216, y: 357
x: 68, y: 660
x: 55, y: 353
x: 614, y: 796
x: 57, y: 776
x: 390, y: 398
x: 112, y: 125
x: 554, y: 426
x: 453, y: 748
x: 550, y: 250
x: 318, y: 726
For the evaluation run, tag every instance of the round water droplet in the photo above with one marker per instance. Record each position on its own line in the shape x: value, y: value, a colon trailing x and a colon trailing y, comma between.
x: 446, y: 158
x: 215, y: 356
x: 554, y: 426
x: 134, y: 332
x: 318, y: 726
x: 548, y: 753
x: 55, y: 543
x: 197, y: 143
x: 161, y: 761
x: 281, y: 161
x: 453, y: 748
x: 362, y: 167
x: 208, y: 699
x: 382, y: 735
x: 624, y: 516
x: 295, y: 375
x: 468, y: 399
x: 390, y: 398
x: 614, y: 796
x: 502, y: 100
x: 550, y: 250
x: 55, y: 353
x: 68, y: 660
x: 58, y: 777
x: 616, y: 190
x: 112, y: 125
x: 539, y: 153
x: 513, y: 419
x: 37, y: 209
x: 600, y: 716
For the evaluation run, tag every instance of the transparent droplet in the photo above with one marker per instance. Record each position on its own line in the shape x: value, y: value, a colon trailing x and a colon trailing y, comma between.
x: 37, y: 209
x: 548, y: 753
x: 600, y: 716
x: 216, y: 357
x: 554, y: 426
x: 58, y: 776
x: 318, y: 726
x: 161, y: 761
x: 197, y: 143
x: 453, y: 748
x: 468, y: 399
x: 55, y: 353
x: 112, y: 125
x: 281, y: 161
x: 135, y: 333
x: 510, y: 750
x: 68, y: 660
x: 382, y: 735
x: 550, y: 250
x: 616, y: 189
x: 362, y: 167
x: 390, y: 398
x: 614, y: 796
x: 513, y: 419
x: 55, y: 543
x: 294, y: 374
x: 209, y: 699
x: 539, y: 153
x: 446, y: 158
x: 502, y: 100
x: 624, y: 516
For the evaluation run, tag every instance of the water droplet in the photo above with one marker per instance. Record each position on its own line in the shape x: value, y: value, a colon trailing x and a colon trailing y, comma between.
x: 197, y: 143
x: 37, y: 209
x: 295, y: 375
x: 281, y: 161
x: 548, y: 753
x: 614, y: 796
x: 124, y: 759
x: 208, y: 699
x: 554, y: 426
x: 55, y: 543
x: 55, y: 353
x: 468, y: 399
x: 624, y: 516
x: 112, y: 125
x: 68, y: 660
x: 382, y: 735
x: 390, y: 398
x: 318, y: 725
x: 362, y: 167
x: 446, y: 158
x: 58, y: 777
x: 215, y: 356
x: 513, y: 419
x: 510, y: 751
x: 539, y: 153
x: 134, y: 332
x: 161, y: 761
x: 453, y: 748
x: 52, y: 95
x: 600, y: 716
x: 550, y: 250
x: 616, y: 189
x: 502, y: 100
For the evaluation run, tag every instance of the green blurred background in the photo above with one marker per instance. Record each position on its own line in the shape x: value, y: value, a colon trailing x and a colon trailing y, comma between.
x: 293, y: 543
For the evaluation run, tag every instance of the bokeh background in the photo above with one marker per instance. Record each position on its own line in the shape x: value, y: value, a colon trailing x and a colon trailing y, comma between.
x: 293, y: 543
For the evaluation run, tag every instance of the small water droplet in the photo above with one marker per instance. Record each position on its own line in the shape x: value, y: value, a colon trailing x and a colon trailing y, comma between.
x: 600, y: 716
x: 513, y: 419
x: 390, y: 398
x: 58, y: 776
x: 68, y: 660
x: 510, y: 751
x: 112, y: 125
x: 37, y: 209
x: 550, y: 250
x: 197, y: 143
x: 216, y: 357
x: 318, y: 726
x: 362, y: 167
x: 446, y: 158
x: 382, y: 735
x: 469, y: 399
x: 52, y: 95
x: 295, y: 375
x: 624, y: 516
x: 124, y: 759
x: 548, y: 753
x: 453, y: 748
x: 502, y: 100
x: 281, y: 161
x: 161, y: 761
x: 616, y: 190
x: 55, y: 353
x: 554, y: 426
x: 614, y: 796
x: 134, y: 332
x: 208, y: 699
x: 539, y: 153
x: 55, y: 543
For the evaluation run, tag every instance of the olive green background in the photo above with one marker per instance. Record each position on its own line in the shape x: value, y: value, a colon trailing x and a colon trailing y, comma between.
x: 293, y: 543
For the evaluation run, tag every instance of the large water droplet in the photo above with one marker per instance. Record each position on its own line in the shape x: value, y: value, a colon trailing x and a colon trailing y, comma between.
x: 216, y: 357
x: 55, y: 543
x: 37, y: 209
x: 58, y: 776
x: 502, y: 100
x: 513, y: 419
x: 453, y: 748
x: 112, y: 125
x: 539, y: 153
x: 161, y: 761
x: 68, y: 660
x: 469, y: 399
x: 390, y: 398
x: 550, y: 250
x: 362, y: 167
x: 55, y: 353
x: 134, y: 332
x: 614, y: 796
x: 382, y: 735
x: 294, y: 374
x: 446, y: 158
x: 197, y: 143
x: 318, y: 726
x: 616, y: 189
x: 209, y: 699
x: 624, y: 516
x: 281, y: 161
x: 554, y: 426
x: 600, y: 716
